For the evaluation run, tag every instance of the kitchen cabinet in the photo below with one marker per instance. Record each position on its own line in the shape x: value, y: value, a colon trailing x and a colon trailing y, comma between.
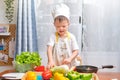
x: 6, y: 37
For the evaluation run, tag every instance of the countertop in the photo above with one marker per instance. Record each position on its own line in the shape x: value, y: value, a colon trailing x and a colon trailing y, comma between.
x: 3, y: 68
x: 108, y: 75
x: 101, y: 75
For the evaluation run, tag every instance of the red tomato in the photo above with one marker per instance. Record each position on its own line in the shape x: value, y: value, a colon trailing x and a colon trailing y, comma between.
x: 47, y: 74
x: 39, y: 68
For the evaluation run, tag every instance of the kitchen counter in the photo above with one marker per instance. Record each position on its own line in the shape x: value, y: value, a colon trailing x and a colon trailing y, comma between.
x: 108, y: 75
x: 3, y: 68
x: 101, y: 75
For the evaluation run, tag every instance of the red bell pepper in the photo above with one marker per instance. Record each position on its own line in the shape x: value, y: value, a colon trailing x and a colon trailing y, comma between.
x: 39, y: 68
x: 47, y: 74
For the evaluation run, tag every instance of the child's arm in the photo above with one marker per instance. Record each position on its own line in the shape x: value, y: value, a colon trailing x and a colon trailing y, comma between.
x: 49, y: 55
x: 72, y: 57
x: 75, y: 50
x: 74, y: 54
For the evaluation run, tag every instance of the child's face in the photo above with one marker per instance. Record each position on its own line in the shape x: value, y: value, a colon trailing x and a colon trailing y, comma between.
x: 61, y: 27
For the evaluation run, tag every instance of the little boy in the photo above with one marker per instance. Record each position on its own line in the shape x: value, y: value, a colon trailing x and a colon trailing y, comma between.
x: 62, y: 47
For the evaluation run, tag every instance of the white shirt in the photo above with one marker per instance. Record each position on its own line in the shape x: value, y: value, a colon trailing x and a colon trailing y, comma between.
x: 73, y: 46
x: 63, y: 47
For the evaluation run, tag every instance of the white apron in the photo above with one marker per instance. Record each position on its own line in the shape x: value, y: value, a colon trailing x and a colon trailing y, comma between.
x: 62, y: 50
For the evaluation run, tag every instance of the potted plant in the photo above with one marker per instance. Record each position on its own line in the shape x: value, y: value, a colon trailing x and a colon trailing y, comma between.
x: 9, y: 10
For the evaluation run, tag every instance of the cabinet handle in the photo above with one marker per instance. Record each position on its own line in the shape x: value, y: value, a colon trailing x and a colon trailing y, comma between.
x: 79, y: 19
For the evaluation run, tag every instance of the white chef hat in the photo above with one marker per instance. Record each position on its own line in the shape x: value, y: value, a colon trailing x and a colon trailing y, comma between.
x: 61, y: 9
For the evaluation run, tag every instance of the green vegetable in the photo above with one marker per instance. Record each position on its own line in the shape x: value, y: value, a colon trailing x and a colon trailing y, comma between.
x: 51, y: 78
x: 27, y: 60
x: 87, y: 76
x: 73, y: 75
x: 60, y: 69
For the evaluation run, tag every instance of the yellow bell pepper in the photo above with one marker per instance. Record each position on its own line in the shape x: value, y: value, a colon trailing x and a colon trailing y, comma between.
x: 59, y: 76
x: 30, y: 75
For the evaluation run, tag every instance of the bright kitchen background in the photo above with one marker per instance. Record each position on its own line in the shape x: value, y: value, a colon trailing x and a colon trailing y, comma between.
x: 3, y: 20
x: 97, y: 32
x: 45, y: 22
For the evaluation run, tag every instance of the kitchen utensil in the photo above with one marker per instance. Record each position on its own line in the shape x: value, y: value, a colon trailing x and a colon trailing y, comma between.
x: 12, y: 76
x: 6, y: 77
x: 90, y: 68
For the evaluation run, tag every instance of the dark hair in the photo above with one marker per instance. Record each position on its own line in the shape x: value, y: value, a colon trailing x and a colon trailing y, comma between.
x: 61, y: 18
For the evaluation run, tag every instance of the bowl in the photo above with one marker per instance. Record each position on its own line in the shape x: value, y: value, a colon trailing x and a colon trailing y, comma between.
x: 22, y: 68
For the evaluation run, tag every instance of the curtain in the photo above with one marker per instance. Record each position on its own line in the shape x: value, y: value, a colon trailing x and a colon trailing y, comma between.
x: 26, y: 36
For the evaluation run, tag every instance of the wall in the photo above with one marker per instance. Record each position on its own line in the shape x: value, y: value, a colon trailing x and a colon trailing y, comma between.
x: 3, y: 19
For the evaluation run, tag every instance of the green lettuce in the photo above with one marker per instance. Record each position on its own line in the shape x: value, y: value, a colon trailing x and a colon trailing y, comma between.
x: 27, y: 61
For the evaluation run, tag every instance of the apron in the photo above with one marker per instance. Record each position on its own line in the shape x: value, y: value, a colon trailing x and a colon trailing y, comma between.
x: 62, y: 50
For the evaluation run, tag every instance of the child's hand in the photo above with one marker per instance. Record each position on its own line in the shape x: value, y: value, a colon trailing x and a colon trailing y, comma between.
x: 50, y: 65
x: 66, y: 61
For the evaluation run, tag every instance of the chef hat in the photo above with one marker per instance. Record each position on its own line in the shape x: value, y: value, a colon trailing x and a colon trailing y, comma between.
x: 61, y: 9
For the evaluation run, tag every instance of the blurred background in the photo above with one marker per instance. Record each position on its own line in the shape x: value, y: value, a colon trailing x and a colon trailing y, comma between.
x: 95, y: 23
